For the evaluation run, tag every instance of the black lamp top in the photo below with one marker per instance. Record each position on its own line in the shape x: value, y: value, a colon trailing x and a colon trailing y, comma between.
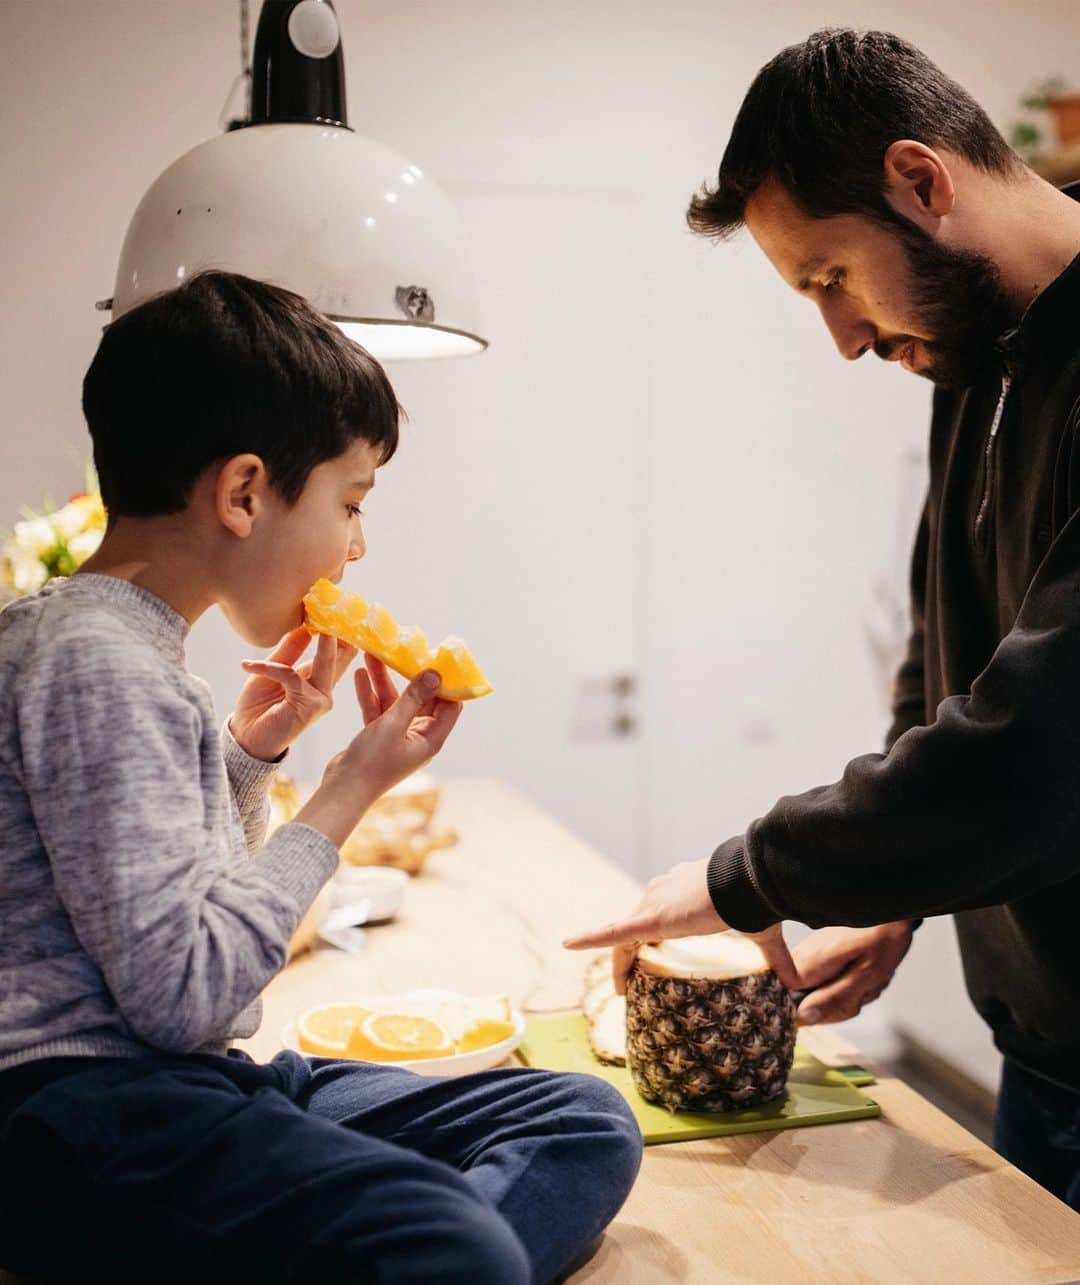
x: 298, y: 70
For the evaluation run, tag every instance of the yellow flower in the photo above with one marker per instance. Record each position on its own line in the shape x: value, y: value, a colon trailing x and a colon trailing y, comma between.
x: 36, y: 536
x: 23, y: 571
x: 81, y: 546
x: 93, y: 511
x: 68, y: 521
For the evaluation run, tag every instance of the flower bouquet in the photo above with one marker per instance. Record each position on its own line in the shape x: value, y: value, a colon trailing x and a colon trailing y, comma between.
x: 55, y: 542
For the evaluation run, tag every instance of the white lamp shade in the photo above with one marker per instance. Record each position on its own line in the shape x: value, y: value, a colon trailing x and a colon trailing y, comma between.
x: 363, y: 235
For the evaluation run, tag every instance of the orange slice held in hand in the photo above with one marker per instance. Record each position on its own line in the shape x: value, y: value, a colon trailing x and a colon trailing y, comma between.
x: 403, y: 648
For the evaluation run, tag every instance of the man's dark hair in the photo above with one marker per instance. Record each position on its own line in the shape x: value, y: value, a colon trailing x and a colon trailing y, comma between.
x: 224, y: 365
x: 820, y: 117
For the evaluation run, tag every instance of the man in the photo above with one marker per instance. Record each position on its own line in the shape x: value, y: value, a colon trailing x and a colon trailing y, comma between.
x: 881, y: 191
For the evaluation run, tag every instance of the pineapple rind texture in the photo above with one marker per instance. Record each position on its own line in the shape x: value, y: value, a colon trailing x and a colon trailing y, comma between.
x: 708, y: 1045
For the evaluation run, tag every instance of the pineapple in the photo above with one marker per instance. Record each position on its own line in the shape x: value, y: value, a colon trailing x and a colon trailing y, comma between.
x: 605, y: 1012
x: 607, y: 1031
x: 599, y: 984
x: 709, y: 1026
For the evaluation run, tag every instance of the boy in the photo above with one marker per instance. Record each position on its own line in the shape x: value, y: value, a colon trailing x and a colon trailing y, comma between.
x: 235, y: 434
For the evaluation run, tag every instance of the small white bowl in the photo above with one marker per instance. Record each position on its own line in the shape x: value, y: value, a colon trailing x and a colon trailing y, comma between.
x: 456, y: 1064
x: 381, y: 886
x: 418, y: 783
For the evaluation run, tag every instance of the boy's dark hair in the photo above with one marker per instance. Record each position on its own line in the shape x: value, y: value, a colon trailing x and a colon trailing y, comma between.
x: 820, y: 117
x: 221, y: 366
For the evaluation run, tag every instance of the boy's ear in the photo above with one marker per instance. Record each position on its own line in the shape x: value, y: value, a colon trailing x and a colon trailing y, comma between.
x: 918, y: 184
x: 239, y: 493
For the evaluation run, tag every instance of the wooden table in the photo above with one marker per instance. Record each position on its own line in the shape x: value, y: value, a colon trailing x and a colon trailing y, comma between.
x: 911, y: 1197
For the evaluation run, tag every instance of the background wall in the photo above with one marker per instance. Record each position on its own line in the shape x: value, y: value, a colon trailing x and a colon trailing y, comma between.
x: 751, y: 495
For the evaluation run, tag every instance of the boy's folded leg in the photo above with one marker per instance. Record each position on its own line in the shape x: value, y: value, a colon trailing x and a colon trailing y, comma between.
x: 555, y: 1154
x: 177, y: 1169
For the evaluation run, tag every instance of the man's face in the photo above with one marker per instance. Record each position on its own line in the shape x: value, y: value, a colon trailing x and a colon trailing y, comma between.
x: 887, y: 287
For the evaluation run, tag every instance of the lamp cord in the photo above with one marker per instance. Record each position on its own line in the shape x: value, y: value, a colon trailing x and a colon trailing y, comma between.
x: 245, y: 61
x: 226, y: 120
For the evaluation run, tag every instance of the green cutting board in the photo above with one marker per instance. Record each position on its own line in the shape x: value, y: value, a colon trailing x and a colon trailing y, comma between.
x: 816, y: 1094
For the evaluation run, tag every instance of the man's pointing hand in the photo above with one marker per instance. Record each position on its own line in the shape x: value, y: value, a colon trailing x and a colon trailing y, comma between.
x: 677, y: 904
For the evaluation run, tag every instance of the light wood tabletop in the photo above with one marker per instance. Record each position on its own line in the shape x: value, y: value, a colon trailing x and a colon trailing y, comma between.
x: 910, y: 1197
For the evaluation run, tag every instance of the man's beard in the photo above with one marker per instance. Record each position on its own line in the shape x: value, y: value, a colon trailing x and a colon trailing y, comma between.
x: 959, y: 299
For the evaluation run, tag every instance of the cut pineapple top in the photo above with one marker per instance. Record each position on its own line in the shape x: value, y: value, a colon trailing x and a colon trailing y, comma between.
x: 403, y: 648
x: 716, y: 957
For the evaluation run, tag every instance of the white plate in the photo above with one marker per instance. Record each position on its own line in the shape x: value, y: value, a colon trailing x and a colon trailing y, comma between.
x: 457, y: 1064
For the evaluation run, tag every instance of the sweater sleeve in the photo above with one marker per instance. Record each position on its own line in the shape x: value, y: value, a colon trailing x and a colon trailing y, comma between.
x: 249, y: 780
x: 113, y: 762
x: 980, y: 807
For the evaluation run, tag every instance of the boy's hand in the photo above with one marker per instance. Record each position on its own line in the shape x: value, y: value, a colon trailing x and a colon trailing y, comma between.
x: 847, y: 968
x: 677, y: 904
x: 401, y: 732
x: 283, y: 699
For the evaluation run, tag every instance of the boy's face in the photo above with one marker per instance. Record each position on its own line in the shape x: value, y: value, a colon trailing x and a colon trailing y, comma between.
x: 290, y: 548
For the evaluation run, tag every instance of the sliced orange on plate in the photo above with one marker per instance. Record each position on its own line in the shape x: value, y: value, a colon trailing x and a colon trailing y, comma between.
x: 325, y: 1030
x: 438, y: 1025
x: 399, y: 1037
x: 403, y: 648
x: 487, y: 1031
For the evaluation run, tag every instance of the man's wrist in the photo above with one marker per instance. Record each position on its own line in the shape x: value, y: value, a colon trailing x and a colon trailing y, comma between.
x: 734, y: 894
x: 893, y: 927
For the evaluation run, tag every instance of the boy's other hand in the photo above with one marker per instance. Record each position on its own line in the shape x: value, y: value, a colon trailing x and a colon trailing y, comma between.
x: 281, y: 699
x: 401, y: 732
x: 677, y: 904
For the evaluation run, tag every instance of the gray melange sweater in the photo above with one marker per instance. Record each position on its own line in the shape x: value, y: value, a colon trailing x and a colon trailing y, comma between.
x: 138, y: 910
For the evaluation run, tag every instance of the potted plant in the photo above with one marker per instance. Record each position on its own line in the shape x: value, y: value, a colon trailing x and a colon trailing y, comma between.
x: 1049, y: 100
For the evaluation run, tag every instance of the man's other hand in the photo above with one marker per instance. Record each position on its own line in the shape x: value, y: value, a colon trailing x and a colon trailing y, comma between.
x: 846, y: 968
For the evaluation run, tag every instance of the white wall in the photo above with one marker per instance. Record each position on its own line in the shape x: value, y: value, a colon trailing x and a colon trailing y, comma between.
x: 766, y: 471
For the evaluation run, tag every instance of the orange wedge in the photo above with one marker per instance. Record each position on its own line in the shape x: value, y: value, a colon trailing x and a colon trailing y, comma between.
x: 398, y: 1037
x: 487, y: 1031
x: 325, y: 1030
x: 404, y: 649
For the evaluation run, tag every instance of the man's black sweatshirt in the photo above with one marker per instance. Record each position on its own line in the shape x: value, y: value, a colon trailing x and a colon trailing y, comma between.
x: 974, y: 808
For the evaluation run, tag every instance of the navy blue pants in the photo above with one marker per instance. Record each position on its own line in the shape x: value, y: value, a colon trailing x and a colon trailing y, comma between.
x: 171, y: 1169
x: 1037, y: 1128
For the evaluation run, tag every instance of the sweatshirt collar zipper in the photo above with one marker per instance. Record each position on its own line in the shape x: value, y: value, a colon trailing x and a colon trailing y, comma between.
x: 988, y: 456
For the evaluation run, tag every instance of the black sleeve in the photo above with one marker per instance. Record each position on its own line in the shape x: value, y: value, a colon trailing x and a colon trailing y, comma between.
x: 909, y: 692
x: 980, y: 807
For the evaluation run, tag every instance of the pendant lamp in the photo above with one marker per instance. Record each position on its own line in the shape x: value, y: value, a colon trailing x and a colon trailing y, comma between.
x: 293, y: 196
